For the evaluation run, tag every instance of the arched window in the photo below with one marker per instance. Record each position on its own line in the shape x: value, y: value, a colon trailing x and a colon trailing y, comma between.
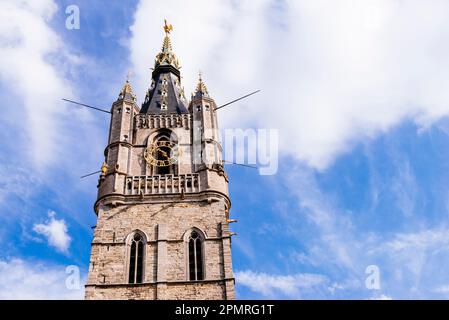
x: 136, y: 258
x: 195, y: 248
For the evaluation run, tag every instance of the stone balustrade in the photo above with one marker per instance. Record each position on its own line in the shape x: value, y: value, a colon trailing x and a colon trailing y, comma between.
x: 162, y: 184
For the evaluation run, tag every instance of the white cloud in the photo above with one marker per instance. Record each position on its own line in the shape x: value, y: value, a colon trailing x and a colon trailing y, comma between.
x: 442, y: 289
x: 14, y: 184
x: 420, y: 240
x: 269, y: 285
x: 332, y: 72
x: 381, y: 297
x: 21, y: 279
x: 345, y: 243
x: 405, y: 189
x: 45, y: 142
x: 55, y: 231
x: 417, y: 251
x: 334, y: 228
x: 32, y: 71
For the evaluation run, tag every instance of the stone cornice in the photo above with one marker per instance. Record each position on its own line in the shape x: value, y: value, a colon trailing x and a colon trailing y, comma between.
x: 121, y: 199
x: 123, y: 243
x: 152, y: 283
x: 116, y: 143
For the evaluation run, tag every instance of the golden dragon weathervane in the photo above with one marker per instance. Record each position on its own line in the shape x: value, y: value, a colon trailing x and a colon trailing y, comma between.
x: 167, y: 27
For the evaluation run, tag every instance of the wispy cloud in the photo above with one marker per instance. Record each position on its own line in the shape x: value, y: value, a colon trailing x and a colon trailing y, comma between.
x: 405, y: 189
x: 381, y: 297
x: 292, y: 286
x: 414, y: 251
x: 344, y: 243
x: 15, y: 182
x: 424, y: 239
x: 29, y: 69
x: 36, y: 72
x: 443, y: 289
x: 55, y: 231
x: 43, y: 147
x: 21, y: 279
x: 334, y: 227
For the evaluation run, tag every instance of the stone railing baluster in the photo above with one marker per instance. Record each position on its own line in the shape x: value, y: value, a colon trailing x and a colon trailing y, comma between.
x: 162, y: 184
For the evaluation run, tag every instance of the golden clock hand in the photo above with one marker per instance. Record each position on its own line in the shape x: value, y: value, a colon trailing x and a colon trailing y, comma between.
x: 163, y: 153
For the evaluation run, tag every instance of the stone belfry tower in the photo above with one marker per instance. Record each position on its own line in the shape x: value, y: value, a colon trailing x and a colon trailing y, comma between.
x: 163, y: 205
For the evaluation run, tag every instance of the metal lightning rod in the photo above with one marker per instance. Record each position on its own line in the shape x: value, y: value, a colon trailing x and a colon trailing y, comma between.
x: 240, y: 164
x: 228, y: 162
x: 86, y: 105
x: 90, y: 174
x: 226, y: 104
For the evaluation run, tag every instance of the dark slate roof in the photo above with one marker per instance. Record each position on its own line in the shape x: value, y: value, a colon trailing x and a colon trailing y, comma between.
x: 174, y: 98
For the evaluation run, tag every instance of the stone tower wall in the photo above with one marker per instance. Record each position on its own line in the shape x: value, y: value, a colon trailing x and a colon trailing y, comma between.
x: 166, y: 273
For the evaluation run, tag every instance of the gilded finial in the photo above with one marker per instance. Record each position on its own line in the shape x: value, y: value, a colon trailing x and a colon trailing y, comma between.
x: 127, y: 88
x: 167, y: 27
x: 201, y: 86
x: 166, y: 56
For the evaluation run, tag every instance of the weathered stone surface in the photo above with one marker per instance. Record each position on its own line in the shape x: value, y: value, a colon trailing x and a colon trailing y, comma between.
x: 169, y: 291
x: 108, y: 267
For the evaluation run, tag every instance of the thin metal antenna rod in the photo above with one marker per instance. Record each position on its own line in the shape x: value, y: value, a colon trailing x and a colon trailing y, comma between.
x: 226, y: 104
x: 240, y: 164
x: 87, y: 106
x: 90, y: 174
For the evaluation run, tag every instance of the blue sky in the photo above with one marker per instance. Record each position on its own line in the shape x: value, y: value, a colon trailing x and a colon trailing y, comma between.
x: 358, y: 92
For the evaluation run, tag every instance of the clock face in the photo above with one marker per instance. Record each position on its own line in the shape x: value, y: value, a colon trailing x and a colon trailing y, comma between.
x: 161, y: 153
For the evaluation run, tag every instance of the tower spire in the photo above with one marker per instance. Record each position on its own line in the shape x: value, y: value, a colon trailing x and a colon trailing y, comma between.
x: 127, y: 92
x: 167, y: 57
x: 201, y: 89
x: 165, y: 95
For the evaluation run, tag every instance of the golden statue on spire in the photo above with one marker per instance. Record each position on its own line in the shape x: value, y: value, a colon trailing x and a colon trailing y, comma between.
x: 167, y: 27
